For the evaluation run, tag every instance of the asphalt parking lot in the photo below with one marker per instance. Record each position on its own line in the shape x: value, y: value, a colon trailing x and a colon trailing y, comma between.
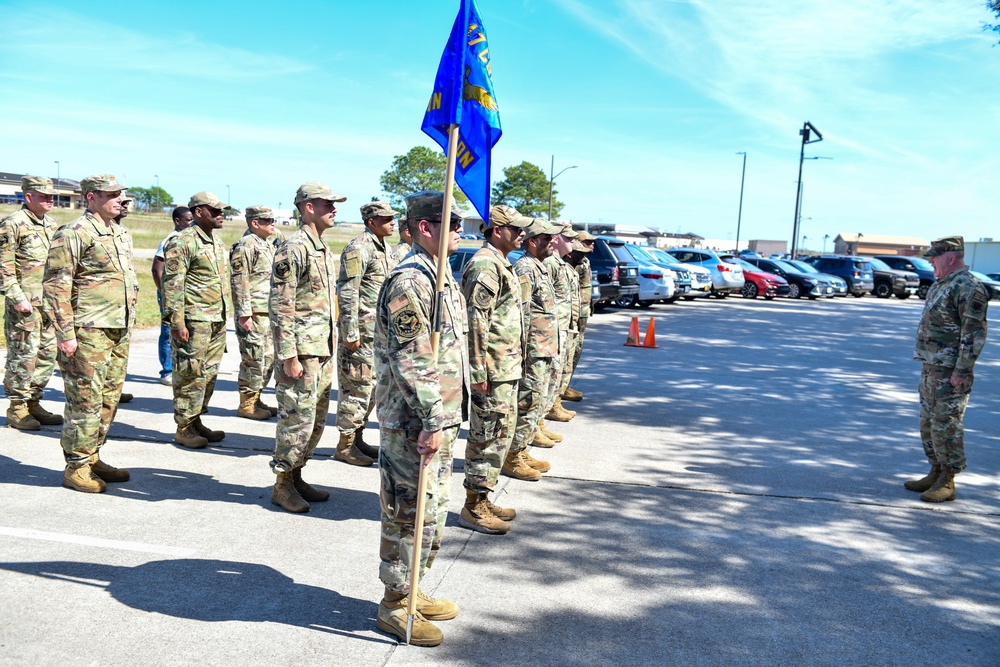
x: 733, y: 497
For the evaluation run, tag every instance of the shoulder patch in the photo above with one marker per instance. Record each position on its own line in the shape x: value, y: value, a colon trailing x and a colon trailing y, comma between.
x: 282, y: 269
x: 977, y: 305
x: 407, y: 323
x: 173, y: 265
x: 352, y: 262
x: 237, y: 262
x: 4, y: 239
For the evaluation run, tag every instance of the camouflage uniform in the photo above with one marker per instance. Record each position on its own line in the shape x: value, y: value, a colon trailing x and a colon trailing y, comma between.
x: 415, y: 392
x: 562, y: 276
x: 583, y: 273
x: 196, y: 288
x: 301, y: 307
x: 90, y: 293
x: 364, y: 265
x: 31, y: 340
x: 950, y: 336
x: 541, y: 350
x: 399, y: 252
x: 493, y: 293
x: 251, y: 260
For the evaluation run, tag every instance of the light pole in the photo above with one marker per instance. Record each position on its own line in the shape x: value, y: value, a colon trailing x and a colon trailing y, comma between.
x: 857, y: 245
x: 805, y: 133
x: 825, y: 237
x: 739, y: 216
x: 552, y: 180
x: 57, y: 181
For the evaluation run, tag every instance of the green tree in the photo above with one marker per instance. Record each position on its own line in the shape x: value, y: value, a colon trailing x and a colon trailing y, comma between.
x: 151, y: 198
x: 526, y: 188
x: 421, y: 168
x: 993, y: 6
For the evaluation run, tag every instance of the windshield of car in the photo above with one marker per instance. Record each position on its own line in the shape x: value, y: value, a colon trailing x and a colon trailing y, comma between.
x: 804, y: 267
x: 786, y: 264
x: 745, y: 265
x: 878, y: 264
x: 862, y: 265
x: 640, y: 255
x: 663, y: 257
x: 921, y: 263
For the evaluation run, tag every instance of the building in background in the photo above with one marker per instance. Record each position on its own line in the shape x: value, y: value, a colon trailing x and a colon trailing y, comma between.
x: 877, y: 244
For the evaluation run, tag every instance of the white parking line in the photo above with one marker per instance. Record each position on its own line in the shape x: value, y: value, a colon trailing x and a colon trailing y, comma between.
x: 96, y: 542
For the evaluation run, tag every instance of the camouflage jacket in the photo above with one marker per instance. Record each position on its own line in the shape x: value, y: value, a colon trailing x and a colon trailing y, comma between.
x: 493, y: 293
x: 195, y: 279
x: 952, y: 330
x: 364, y: 265
x: 561, y: 283
x: 251, y: 260
x: 301, y: 305
x: 583, y: 273
x: 415, y: 390
x: 542, y: 335
x: 89, y: 278
x: 24, y: 248
x: 399, y: 252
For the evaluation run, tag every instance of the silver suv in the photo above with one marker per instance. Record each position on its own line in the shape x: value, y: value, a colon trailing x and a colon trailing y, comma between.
x: 726, y: 277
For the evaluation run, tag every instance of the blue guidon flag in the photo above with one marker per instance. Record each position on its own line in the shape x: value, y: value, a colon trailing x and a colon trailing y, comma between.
x: 463, y: 95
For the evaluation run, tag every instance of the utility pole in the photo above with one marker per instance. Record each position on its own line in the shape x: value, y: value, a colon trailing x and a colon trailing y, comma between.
x: 552, y: 179
x: 739, y: 216
x: 806, y: 134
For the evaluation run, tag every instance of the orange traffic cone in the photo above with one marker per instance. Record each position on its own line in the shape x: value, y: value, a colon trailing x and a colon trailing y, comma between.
x: 650, y: 339
x: 633, y: 333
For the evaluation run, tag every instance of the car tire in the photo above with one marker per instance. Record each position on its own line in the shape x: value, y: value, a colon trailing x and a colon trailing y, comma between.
x: 720, y: 295
x: 883, y: 290
x: 645, y: 304
x: 689, y: 298
x: 600, y: 306
x: 794, y: 291
x: 768, y: 297
x: 749, y: 290
x: 922, y: 291
x: 857, y: 295
x: 626, y: 301
x: 903, y: 295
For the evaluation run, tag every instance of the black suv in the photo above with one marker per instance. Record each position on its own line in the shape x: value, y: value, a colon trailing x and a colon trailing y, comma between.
x: 800, y: 283
x: 917, y: 265
x: 855, y: 270
x: 889, y: 281
x: 617, y: 278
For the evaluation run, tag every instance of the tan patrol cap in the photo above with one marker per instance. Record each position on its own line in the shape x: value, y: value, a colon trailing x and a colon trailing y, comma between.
x: 205, y: 198
x: 539, y: 226
x: 39, y: 184
x: 316, y: 190
x: 945, y: 244
x: 568, y: 231
x: 258, y: 213
x: 100, y: 183
x: 579, y: 246
x: 502, y: 215
x: 583, y: 235
x: 375, y: 209
x: 428, y: 205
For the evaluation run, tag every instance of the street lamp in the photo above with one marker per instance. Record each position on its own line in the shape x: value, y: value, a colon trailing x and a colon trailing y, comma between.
x: 739, y: 216
x: 825, y: 237
x: 552, y: 180
x: 806, y: 134
x: 857, y: 245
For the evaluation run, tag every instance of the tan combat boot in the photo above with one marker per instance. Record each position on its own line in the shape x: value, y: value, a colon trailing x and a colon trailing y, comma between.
x: 106, y: 472
x: 83, y: 479
x: 205, y: 432
x: 540, y: 466
x: 435, y: 609
x: 188, y: 437
x: 551, y: 435
x: 285, y: 496
x: 560, y: 414
x: 264, y: 406
x: 943, y: 489
x: 540, y: 440
x: 392, y: 616
x: 348, y: 453
x: 42, y: 415
x: 515, y: 466
x: 307, y: 491
x: 502, y: 513
x: 925, y: 482
x: 572, y: 394
x: 250, y: 410
x: 126, y: 397
x: 475, y: 515
x: 363, y: 447
x: 563, y: 409
x: 18, y: 417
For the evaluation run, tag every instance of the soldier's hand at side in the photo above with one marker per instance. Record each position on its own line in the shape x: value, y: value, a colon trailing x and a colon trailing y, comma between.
x: 245, y: 323
x: 24, y: 307
x: 957, y: 380
x: 67, y: 347
x: 292, y: 367
x: 428, y: 443
x: 481, y: 387
x: 353, y: 345
x: 181, y: 334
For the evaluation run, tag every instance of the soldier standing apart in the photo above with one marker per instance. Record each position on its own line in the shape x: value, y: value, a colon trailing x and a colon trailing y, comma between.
x: 364, y: 265
x: 90, y: 292
x: 582, y: 246
x: 251, y: 260
x: 421, y: 403
x: 541, y: 347
x: 301, y: 307
x: 182, y: 220
x: 493, y: 293
x: 25, y: 237
x: 562, y: 276
x: 196, y: 286
x: 950, y: 336
x: 402, y: 249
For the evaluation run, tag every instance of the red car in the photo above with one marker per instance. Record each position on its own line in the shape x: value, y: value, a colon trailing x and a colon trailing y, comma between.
x: 759, y: 282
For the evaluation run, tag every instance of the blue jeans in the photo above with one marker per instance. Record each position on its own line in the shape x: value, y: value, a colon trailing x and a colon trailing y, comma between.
x: 163, y: 349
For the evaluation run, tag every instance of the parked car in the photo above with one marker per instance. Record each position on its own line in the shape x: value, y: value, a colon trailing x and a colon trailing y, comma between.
x: 726, y: 278
x: 757, y: 281
x: 889, y: 281
x: 655, y: 282
x: 458, y: 259
x: 839, y: 284
x: 992, y: 283
x: 746, y: 254
x: 993, y: 276
x: 917, y: 265
x: 701, y: 278
x: 800, y: 283
x: 855, y: 270
x: 682, y: 277
x: 616, y: 277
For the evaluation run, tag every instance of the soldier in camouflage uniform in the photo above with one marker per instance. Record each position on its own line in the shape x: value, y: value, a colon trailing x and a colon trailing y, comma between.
x: 493, y: 293
x: 303, y: 321
x: 90, y: 293
x: 25, y: 237
x: 196, y: 287
x: 582, y: 246
x: 421, y: 400
x: 127, y: 202
x: 402, y: 249
x: 364, y: 265
x: 951, y: 334
x: 564, y: 282
x: 250, y: 260
x: 541, y: 349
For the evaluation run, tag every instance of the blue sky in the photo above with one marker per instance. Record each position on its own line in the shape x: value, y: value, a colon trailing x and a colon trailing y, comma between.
x: 650, y: 99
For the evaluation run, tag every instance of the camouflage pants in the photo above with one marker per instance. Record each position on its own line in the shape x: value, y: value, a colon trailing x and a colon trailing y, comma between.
x: 532, y: 399
x: 578, y: 349
x: 196, y: 367
x: 569, y: 353
x: 491, y: 430
x: 303, y: 405
x: 942, y: 408
x: 31, y: 354
x: 93, y: 377
x: 556, y: 372
x: 399, y: 466
x: 256, y: 354
x: 355, y: 387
